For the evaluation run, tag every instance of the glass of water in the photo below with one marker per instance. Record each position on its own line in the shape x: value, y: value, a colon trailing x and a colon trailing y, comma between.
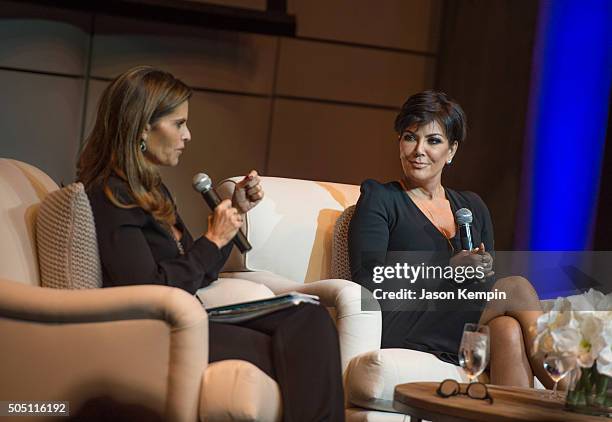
x: 558, y: 365
x: 474, y: 350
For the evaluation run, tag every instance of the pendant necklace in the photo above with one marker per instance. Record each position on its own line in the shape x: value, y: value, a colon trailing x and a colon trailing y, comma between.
x: 179, y: 245
x: 426, y: 210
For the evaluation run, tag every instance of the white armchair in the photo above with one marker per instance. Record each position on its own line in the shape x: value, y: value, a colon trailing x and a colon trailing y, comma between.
x: 291, y: 232
x: 124, y: 353
x: 135, y: 352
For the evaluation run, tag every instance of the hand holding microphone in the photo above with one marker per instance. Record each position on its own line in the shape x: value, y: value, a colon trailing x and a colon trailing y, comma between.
x: 223, y: 224
x: 469, y: 255
x: 486, y: 260
x: 226, y: 221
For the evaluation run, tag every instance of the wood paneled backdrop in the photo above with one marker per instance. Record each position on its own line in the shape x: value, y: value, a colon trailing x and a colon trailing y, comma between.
x: 319, y: 106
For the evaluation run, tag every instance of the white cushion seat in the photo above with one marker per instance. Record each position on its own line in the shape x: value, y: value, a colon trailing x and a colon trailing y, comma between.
x: 236, y: 390
x: 371, y: 377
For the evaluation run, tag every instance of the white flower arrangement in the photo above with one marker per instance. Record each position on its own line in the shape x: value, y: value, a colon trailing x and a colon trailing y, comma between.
x: 581, y: 327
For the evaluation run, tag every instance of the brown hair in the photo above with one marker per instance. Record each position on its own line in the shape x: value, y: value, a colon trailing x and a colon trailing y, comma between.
x: 139, y: 96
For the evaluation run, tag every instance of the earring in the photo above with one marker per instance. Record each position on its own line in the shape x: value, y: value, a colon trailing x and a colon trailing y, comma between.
x: 450, y: 160
x: 143, y: 145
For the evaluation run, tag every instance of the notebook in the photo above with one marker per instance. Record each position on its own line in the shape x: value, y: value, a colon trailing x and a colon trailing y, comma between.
x: 244, y: 311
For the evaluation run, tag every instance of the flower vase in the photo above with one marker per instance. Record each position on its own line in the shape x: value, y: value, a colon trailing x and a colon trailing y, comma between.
x: 589, y: 392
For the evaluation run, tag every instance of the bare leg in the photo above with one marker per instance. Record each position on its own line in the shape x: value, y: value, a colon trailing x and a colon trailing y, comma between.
x: 523, y: 305
x: 509, y: 364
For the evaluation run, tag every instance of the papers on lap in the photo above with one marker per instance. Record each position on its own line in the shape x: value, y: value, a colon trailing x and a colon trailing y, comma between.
x: 244, y: 311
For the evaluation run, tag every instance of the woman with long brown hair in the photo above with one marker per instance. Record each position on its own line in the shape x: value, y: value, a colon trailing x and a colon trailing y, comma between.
x: 141, y: 125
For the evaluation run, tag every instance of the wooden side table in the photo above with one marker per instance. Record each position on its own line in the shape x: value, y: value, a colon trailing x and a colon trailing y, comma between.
x: 511, y: 404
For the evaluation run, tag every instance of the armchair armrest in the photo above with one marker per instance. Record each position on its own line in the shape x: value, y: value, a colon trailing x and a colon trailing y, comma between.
x: 139, y: 350
x: 359, y: 331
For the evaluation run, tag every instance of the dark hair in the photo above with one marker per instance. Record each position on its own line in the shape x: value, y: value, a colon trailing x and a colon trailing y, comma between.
x: 139, y: 96
x: 428, y: 106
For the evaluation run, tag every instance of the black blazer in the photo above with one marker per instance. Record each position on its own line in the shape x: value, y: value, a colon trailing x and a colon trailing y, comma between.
x: 135, y: 249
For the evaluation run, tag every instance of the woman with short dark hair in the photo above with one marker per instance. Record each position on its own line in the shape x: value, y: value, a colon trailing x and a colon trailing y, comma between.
x: 141, y: 125
x: 415, y: 216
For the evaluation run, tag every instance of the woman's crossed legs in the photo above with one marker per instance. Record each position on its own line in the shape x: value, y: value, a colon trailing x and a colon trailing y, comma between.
x: 511, y: 323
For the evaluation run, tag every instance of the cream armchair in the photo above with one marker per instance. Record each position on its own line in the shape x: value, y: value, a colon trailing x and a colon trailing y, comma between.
x: 138, y: 352
x: 291, y: 232
x: 126, y: 353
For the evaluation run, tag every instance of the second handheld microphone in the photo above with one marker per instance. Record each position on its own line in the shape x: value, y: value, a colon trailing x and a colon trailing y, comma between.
x: 464, y: 221
x: 202, y: 183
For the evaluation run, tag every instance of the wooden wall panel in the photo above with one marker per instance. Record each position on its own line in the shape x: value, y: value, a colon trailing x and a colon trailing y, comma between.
x: 43, y: 39
x: 40, y: 117
x: 485, y: 64
x: 245, y: 4
x: 405, y: 24
x: 206, y: 59
x: 363, y: 75
x: 345, y: 83
x: 95, y: 89
x: 333, y: 143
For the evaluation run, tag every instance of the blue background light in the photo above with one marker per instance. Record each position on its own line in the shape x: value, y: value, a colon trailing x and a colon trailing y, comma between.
x: 566, y: 124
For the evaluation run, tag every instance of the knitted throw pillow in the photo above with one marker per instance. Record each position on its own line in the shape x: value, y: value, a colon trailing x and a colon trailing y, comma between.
x: 341, y: 267
x: 66, y: 240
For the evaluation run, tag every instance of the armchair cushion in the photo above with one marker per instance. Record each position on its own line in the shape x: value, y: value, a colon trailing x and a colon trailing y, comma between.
x: 22, y: 187
x: 226, y: 291
x: 371, y: 377
x: 236, y: 390
x: 294, y: 220
x: 66, y: 240
x: 358, y: 330
x: 356, y: 414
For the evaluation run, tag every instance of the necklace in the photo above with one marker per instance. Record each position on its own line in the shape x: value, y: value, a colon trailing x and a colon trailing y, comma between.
x: 179, y: 245
x: 436, y: 224
x: 420, y: 203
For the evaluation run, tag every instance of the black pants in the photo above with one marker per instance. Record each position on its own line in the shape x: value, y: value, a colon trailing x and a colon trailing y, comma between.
x: 298, y: 347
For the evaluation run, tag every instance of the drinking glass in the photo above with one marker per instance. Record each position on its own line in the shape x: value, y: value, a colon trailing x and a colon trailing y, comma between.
x: 558, y: 365
x: 474, y: 350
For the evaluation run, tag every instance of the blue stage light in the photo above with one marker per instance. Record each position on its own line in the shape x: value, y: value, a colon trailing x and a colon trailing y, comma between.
x: 566, y: 125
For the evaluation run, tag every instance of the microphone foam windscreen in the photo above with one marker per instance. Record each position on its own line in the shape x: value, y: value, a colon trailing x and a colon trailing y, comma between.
x: 463, y: 216
x: 201, y: 182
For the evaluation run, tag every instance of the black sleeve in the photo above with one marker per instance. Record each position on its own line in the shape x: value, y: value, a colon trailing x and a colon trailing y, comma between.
x: 212, y: 272
x: 368, y: 236
x: 133, y: 251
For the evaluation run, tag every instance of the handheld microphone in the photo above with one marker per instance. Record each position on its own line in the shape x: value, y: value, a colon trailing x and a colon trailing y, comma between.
x: 464, y: 221
x: 202, y: 183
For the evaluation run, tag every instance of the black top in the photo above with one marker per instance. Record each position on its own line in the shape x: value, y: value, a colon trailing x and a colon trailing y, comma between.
x: 135, y: 249
x: 386, y: 220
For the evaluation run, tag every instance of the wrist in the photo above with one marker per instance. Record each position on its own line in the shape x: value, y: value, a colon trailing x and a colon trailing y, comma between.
x: 215, y: 239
